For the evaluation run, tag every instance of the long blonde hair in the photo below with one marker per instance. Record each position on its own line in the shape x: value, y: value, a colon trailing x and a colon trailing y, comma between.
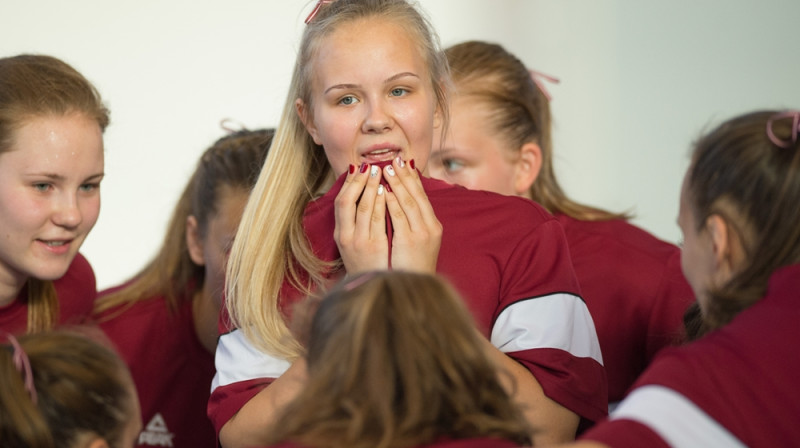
x: 33, y: 86
x: 271, y: 244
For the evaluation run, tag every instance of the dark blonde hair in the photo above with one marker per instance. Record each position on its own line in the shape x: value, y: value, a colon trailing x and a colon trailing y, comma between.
x: 82, y: 387
x: 738, y: 173
x: 520, y: 113
x: 33, y: 86
x: 394, y: 360
x: 233, y: 161
x: 272, y: 245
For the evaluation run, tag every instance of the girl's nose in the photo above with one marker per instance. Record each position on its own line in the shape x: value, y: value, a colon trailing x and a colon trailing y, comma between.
x: 67, y: 212
x: 378, y: 119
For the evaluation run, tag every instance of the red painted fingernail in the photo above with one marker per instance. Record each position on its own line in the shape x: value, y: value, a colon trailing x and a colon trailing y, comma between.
x: 411, y: 163
x: 363, y: 168
x: 352, y: 168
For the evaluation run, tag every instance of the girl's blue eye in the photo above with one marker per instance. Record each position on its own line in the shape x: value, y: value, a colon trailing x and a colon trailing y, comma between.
x: 452, y: 165
x: 348, y: 100
x: 89, y: 187
x: 41, y: 187
x: 399, y: 92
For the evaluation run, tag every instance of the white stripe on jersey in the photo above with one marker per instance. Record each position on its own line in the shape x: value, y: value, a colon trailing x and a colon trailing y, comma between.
x: 675, y: 418
x: 237, y: 360
x: 559, y: 321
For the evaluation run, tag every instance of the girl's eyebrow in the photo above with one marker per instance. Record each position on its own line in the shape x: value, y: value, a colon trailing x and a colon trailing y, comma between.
x: 355, y: 86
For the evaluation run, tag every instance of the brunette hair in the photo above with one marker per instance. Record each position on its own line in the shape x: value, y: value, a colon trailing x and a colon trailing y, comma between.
x: 34, y: 86
x: 394, y: 360
x: 740, y: 174
x: 81, y: 387
x: 520, y: 114
x: 233, y: 161
x: 272, y: 244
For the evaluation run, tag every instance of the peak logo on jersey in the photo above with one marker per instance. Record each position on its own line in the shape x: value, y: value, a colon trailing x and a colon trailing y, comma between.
x: 156, y: 433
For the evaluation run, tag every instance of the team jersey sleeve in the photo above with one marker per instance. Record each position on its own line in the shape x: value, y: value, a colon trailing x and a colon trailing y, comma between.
x: 242, y: 372
x: 658, y: 416
x: 545, y: 325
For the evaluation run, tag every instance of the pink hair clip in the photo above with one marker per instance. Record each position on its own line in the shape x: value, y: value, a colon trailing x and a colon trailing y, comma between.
x: 795, y: 116
x: 23, y: 365
x: 316, y: 10
x: 535, y: 76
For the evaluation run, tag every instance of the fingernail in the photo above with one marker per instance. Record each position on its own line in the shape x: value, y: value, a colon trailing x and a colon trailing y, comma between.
x: 400, y: 162
x: 373, y: 171
x: 411, y: 163
x: 390, y: 170
x: 363, y: 168
x: 352, y: 169
x: 380, y: 189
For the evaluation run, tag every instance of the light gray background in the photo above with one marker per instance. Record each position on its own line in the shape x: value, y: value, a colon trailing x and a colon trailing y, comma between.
x: 640, y: 79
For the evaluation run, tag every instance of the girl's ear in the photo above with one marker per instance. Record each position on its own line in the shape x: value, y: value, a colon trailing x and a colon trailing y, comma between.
x: 302, y: 113
x: 727, y: 247
x: 527, y: 169
x: 194, y: 242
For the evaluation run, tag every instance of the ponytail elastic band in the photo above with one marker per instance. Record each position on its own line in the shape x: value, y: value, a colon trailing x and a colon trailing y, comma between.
x: 23, y: 365
x: 795, y: 116
x: 535, y: 76
x: 316, y: 10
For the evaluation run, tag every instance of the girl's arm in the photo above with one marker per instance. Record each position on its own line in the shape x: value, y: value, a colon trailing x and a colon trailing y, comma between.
x: 551, y: 422
x: 251, y: 425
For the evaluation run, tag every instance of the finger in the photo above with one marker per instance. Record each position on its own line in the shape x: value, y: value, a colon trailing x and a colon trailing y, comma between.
x: 346, y: 202
x: 378, y: 227
x: 366, y: 205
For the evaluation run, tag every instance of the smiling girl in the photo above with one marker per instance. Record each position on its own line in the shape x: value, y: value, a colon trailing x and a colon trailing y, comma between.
x: 344, y: 191
x: 51, y: 164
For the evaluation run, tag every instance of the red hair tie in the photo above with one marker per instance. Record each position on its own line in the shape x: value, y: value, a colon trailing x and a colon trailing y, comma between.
x: 23, y: 365
x: 795, y: 116
x: 535, y: 77
x: 316, y: 10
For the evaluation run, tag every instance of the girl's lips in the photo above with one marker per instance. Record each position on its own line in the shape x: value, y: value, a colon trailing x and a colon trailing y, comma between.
x: 58, y: 247
x: 380, y: 155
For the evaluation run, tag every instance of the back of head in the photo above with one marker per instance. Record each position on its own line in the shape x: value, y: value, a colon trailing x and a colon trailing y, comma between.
x: 36, y: 85
x: 233, y: 162
x: 394, y: 359
x: 752, y: 180
x: 80, y: 388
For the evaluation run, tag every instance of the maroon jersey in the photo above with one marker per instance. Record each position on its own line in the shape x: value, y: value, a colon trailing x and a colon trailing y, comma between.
x: 76, y: 292
x: 171, y: 369
x: 635, y: 290
x: 735, y: 387
x: 509, y: 260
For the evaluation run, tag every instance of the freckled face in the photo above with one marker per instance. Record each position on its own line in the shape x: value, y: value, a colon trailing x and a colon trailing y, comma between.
x: 49, y: 196
x: 472, y: 154
x: 372, y: 97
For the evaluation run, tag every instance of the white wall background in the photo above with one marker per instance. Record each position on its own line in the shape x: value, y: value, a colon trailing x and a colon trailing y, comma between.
x: 639, y: 80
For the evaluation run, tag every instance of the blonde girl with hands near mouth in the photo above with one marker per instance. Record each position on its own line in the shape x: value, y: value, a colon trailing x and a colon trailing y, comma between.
x: 344, y: 191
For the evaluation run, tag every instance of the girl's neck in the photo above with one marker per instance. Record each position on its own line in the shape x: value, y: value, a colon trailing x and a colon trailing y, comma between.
x: 205, y: 314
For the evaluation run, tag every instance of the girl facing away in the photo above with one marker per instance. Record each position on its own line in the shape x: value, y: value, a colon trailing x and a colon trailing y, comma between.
x: 394, y: 360
x: 499, y: 140
x: 164, y: 321
x: 344, y: 191
x: 735, y: 384
x: 51, y: 163
x: 64, y: 389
